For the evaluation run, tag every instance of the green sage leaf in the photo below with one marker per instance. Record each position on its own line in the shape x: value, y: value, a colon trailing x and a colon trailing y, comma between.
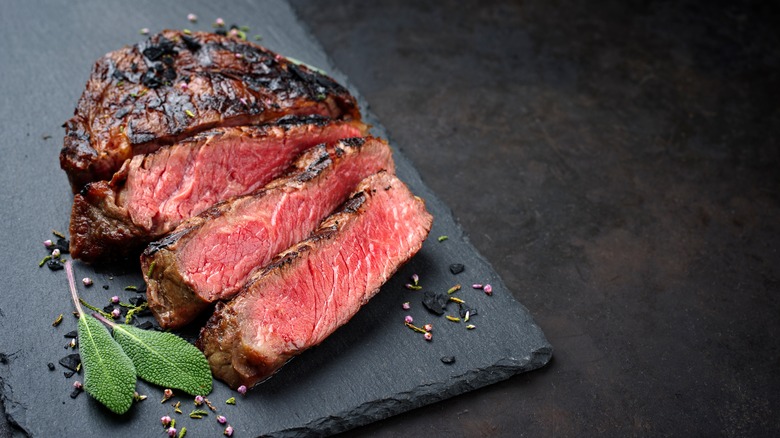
x: 109, y: 375
x: 165, y: 359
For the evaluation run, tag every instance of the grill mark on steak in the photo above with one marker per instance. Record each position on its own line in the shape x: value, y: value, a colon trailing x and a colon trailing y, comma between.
x: 154, y: 193
x: 210, y: 256
x: 317, y: 285
x: 172, y: 86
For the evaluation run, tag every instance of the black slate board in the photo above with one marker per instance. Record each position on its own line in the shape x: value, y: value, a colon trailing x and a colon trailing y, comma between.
x: 372, y: 368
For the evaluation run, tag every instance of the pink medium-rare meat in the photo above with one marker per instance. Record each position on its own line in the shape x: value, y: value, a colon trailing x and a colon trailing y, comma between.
x: 209, y: 257
x: 174, y: 85
x: 154, y: 193
x: 317, y: 285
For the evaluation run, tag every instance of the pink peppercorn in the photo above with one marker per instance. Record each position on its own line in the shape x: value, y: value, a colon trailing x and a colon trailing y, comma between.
x: 192, y: 17
x: 488, y: 289
x: 115, y: 299
x: 219, y: 22
x: 428, y: 336
x: 241, y: 389
x: 47, y: 243
x: 87, y: 281
x: 428, y: 327
x: 406, y: 305
x: 221, y: 419
x: 476, y: 286
x: 116, y: 313
x: 198, y: 400
x: 166, y: 420
x: 171, y: 431
x: 408, y: 319
x: 77, y: 384
x: 55, y: 253
x: 228, y: 431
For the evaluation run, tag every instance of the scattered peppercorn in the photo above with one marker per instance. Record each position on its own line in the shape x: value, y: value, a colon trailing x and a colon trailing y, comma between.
x: 51, y: 366
x: 436, y: 303
x: 457, y: 268
x: 76, y: 391
x: 71, y: 362
x: 55, y: 265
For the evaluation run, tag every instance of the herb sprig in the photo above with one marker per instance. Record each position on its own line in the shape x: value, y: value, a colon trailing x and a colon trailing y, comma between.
x: 112, y: 364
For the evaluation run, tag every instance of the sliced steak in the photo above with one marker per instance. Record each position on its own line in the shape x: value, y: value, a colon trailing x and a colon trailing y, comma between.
x: 209, y: 257
x: 317, y: 285
x: 154, y: 193
x: 174, y: 85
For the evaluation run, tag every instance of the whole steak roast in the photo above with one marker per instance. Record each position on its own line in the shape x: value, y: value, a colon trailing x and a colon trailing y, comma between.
x: 176, y: 84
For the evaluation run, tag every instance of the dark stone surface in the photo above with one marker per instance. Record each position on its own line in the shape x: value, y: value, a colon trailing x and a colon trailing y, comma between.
x: 372, y: 368
x: 617, y: 162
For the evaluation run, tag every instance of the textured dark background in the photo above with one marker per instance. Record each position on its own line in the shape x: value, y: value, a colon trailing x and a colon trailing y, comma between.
x: 621, y: 156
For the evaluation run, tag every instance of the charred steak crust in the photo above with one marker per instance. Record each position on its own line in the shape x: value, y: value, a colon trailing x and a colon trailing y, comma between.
x: 210, y: 256
x: 174, y: 85
x: 153, y: 193
x: 317, y: 285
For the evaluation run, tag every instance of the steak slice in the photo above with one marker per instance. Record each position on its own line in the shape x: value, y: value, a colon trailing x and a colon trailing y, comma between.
x: 174, y: 85
x: 317, y: 285
x: 154, y: 193
x: 209, y: 257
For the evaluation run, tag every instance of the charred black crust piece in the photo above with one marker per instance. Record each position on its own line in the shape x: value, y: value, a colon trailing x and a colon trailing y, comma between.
x: 164, y: 242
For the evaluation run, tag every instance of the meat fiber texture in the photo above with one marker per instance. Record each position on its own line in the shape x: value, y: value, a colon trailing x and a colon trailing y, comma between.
x: 175, y: 85
x: 317, y: 285
x: 154, y: 193
x: 211, y: 256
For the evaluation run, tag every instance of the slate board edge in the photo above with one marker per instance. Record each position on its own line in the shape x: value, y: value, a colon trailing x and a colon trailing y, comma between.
x: 13, y: 410
x: 421, y: 396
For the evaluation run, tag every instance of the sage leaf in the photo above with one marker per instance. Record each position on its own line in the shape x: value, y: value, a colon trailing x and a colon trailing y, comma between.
x: 109, y: 375
x: 165, y: 359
